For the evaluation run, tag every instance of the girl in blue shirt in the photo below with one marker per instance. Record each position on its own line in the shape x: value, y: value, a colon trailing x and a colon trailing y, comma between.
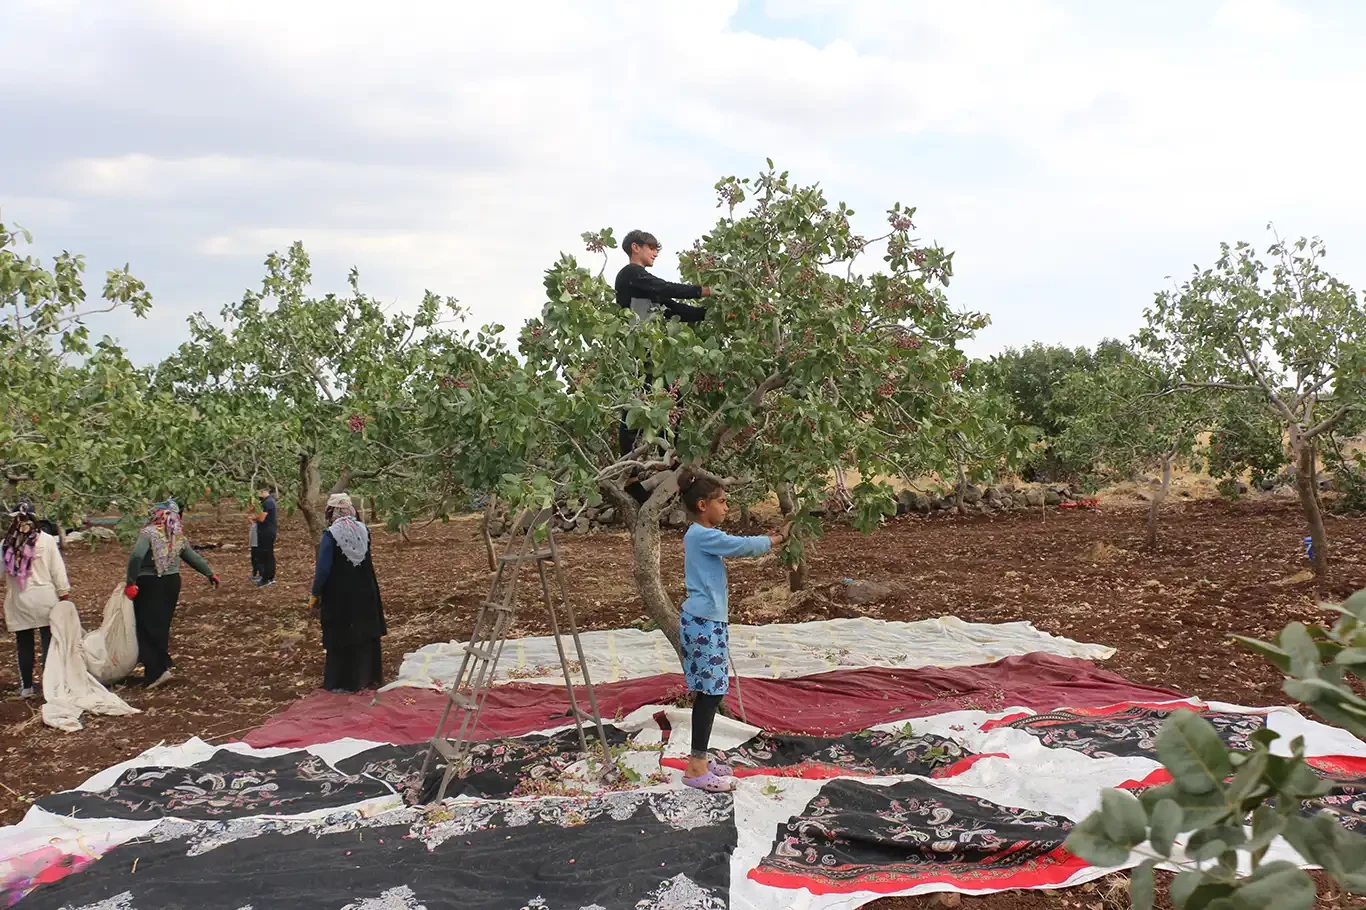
x: 703, y: 620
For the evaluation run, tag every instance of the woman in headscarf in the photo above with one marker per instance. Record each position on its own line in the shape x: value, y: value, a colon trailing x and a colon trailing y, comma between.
x: 346, y: 599
x: 153, y: 585
x: 35, y: 579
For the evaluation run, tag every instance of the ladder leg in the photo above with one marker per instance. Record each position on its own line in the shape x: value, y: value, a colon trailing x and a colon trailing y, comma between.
x: 578, y: 649
x: 564, y: 659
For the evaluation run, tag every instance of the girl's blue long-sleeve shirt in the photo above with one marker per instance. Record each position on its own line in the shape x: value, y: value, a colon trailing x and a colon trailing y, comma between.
x: 324, y: 568
x: 704, y: 568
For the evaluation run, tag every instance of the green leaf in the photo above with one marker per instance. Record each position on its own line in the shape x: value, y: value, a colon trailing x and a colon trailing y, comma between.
x: 1356, y: 605
x: 1351, y: 657
x: 1166, y: 819
x: 1195, y: 890
x: 1282, y: 886
x: 1271, y: 652
x: 1209, y: 843
x: 1191, y: 750
x: 1142, y: 886
x: 1090, y: 841
x: 1125, y: 821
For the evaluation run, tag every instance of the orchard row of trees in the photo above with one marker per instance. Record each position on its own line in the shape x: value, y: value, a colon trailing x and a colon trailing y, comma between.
x: 1249, y: 367
x: 815, y: 363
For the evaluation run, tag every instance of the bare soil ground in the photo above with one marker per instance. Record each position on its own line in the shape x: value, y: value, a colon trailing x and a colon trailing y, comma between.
x: 243, y: 653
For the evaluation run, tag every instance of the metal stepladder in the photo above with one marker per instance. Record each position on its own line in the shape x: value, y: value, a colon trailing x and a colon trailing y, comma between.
x: 454, y: 739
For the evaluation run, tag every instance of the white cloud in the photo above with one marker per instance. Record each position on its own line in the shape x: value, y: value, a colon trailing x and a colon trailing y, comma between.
x: 462, y: 146
x: 1267, y: 18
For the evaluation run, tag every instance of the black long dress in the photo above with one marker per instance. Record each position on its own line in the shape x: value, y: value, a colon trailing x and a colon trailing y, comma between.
x: 353, y: 623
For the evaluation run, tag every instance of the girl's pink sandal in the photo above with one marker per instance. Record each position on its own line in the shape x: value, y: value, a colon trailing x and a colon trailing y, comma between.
x: 710, y: 782
x: 719, y: 769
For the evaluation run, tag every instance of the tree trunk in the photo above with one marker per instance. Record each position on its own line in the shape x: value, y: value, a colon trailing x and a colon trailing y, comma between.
x: 310, y: 490
x: 486, y: 536
x: 1307, y: 485
x: 786, y: 500
x: 649, y: 581
x: 746, y: 520
x: 1155, y: 509
x: 958, y: 493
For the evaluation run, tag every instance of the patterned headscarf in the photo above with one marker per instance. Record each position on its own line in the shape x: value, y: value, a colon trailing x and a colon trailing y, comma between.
x: 164, y: 535
x: 19, y: 546
x: 351, y: 536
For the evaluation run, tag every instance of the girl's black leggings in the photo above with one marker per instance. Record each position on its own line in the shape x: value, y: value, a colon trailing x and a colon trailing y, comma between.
x: 703, y: 713
x: 23, y: 643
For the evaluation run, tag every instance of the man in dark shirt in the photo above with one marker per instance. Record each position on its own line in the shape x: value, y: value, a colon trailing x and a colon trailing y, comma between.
x: 267, y: 527
x: 643, y: 293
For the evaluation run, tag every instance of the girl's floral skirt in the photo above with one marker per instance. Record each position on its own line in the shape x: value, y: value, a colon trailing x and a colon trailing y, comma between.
x: 706, y: 654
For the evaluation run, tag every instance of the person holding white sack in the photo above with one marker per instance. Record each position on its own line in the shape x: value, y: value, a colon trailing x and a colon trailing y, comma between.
x: 35, y: 580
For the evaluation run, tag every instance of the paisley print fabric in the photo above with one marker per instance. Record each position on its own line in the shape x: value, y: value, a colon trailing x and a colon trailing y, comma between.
x: 228, y: 785
x: 1127, y: 733
x: 635, y: 850
x: 856, y: 836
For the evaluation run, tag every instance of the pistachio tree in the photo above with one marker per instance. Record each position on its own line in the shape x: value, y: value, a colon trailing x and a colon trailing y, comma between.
x: 1130, y: 413
x: 1281, y: 330
x: 803, y: 363
x: 77, y: 423
x: 285, y: 385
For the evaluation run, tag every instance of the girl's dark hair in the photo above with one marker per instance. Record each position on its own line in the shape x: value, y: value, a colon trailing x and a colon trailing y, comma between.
x: 694, y: 488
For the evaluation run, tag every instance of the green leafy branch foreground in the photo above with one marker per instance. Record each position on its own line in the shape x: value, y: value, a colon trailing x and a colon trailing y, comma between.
x: 1232, y: 805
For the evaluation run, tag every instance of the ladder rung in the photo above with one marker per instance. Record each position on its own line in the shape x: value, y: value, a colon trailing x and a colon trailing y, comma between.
x: 479, y: 652
x: 499, y: 605
x: 527, y: 557
x: 462, y: 701
x: 443, y: 746
x: 585, y: 715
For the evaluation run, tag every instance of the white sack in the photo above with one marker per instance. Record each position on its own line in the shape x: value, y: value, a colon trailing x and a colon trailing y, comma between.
x: 68, y: 687
x: 111, y: 651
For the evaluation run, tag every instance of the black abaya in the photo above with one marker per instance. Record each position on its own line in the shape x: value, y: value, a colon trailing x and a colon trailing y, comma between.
x: 353, y: 622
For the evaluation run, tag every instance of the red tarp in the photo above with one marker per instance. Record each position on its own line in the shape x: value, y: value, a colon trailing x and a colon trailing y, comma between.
x: 842, y: 701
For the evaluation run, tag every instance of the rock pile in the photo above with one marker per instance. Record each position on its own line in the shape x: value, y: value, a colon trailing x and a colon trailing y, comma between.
x: 989, y: 500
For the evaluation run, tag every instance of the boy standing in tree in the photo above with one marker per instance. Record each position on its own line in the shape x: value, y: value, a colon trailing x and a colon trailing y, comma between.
x: 267, y: 526
x: 644, y: 295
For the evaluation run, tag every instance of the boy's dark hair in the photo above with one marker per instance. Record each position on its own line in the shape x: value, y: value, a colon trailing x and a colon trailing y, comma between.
x: 643, y: 238
x: 694, y: 488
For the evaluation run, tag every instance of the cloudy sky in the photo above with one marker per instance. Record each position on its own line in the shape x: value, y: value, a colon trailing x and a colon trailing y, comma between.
x: 1074, y: 154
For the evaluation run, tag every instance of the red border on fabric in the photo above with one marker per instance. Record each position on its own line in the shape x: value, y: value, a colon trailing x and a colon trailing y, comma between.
x: 1338, y: 764
x: 1049, y: 870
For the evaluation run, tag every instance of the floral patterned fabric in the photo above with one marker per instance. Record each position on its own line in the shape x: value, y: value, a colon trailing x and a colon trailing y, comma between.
x: 1128, y: 732
x: 498, y: 768
x: 873, y: 752
x: 856, y: 837
x: 634, y: 850
x: 228, y: 785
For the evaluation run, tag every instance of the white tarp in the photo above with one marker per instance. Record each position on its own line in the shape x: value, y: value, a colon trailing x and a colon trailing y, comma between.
x: 69, y: 688
x: 770, y: 651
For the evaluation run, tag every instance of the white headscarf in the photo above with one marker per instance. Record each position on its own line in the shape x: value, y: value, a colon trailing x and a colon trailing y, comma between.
x: 352, y: 537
